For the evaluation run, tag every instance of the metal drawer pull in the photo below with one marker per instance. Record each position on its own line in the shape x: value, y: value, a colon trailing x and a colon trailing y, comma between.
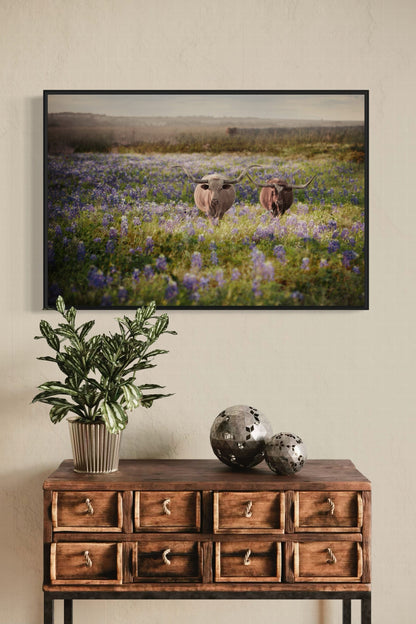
x: 248, y: 512
x: 247, y: 557
x: 331, y: 506
x: 88, y: 560
x: 332, y: 558
x: 90, y: 508
x: 165, y: 507
x: 165, y: 556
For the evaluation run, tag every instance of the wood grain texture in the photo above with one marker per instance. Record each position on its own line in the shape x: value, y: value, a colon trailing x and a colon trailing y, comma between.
x: 329, y: 511
x: 167, y: 561
x: 167, y: 511
x: 249, y: 512
x: 195, y: 529
x: 87, y: 511
x: 69, y: 563
x: 248, y: 561
x: 209, y: 474
x: 337, y: 561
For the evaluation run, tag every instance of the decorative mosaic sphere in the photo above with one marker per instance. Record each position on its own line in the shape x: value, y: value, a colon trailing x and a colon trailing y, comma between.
x: 239, y: 435
x: 285, y: 453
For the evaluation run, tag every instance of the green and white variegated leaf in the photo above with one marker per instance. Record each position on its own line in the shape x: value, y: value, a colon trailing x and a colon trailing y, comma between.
x: 114, y: 415
x: 60, y: 305
x: 58, y: 412
x: 49, y: 334
x: 56, y: 387
x: 132, y: 395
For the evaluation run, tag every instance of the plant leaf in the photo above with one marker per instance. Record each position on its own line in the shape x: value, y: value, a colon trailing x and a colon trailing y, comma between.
x: 49, y: 334
x: 60, y: 305
x: 132, y: 395
x: 114, y: 415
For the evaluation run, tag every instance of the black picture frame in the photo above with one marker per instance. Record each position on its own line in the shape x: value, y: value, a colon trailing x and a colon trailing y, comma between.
x: 121, y: 227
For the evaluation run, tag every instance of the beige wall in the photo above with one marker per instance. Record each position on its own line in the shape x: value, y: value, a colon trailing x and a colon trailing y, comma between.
x: 343, y: 380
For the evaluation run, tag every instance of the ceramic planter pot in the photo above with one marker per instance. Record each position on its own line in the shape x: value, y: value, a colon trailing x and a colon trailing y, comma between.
x: 94, y: 448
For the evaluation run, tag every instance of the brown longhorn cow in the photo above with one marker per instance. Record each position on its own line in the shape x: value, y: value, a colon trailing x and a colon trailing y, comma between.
x: 276, y: 195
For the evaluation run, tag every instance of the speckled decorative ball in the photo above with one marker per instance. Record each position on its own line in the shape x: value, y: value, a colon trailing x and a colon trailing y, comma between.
x: 285, y: 453
x: 239, y: 435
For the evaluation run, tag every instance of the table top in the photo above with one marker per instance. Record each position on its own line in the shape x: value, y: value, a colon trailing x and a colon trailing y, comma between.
x: 209, y: 474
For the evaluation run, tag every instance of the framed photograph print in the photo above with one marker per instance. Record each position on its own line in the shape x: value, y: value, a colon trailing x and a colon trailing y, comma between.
x: 203, y: 199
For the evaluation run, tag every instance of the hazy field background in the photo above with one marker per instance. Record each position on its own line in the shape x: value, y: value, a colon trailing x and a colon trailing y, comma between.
x: 123, y: 228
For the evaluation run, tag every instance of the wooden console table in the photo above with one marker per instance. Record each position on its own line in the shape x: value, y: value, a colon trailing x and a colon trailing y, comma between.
x: 197, y: 529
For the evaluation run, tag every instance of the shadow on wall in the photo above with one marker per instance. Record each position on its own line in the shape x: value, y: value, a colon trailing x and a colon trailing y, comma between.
x: 33, y: 290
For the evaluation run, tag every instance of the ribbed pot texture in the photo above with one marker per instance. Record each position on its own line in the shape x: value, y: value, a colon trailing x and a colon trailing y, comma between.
x: 94, y: 448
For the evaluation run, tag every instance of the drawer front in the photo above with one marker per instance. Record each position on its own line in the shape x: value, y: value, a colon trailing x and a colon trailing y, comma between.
x: 249, y: 512
x: 85, y: 563
x: 167, y: 511
x: 167, y: 561
x: 87, y: 511
x: 248, y: 561
x: 332, y: 561
x: 340, y: 512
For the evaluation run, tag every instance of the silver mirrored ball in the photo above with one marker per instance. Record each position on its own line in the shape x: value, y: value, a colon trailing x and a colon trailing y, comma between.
x: 239, y: 435
x: 285, y: 453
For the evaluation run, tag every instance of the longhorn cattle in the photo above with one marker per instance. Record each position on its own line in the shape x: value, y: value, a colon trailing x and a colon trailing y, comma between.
x: 214, y: 193
x: 276, y: 195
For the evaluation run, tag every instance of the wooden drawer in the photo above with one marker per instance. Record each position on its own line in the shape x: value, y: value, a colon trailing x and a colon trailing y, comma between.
x: 167, y: 511
x: 248, y: 561
x: 249, y: 512
x: 331, y: 561
x: 167, y: 561
x: 87, y: 511
x: 86, y: 563
x: 338, y: 512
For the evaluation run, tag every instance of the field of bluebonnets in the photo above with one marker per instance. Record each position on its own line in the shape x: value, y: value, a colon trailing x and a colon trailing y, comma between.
x: 123, y: 230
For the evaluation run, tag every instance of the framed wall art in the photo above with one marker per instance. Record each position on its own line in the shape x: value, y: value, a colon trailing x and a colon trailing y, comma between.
x: 191, y: 199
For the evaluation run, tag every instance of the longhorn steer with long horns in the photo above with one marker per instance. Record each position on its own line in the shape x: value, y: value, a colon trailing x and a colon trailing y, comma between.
x: 214, y: 193
x: 276, y: 195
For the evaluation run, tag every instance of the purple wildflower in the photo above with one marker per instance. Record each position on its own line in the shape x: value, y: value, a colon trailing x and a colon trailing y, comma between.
x: 124, y: 226
x: 171, y: 290
x: 305, y: 264
x: 219, y: 277
x: 333, y: 246
x: 214, y: 257
x: 297, y: 296
x: 161, y: 263
x: 149, y: 244
x: 348, y: 257
x: 323, y: 263
x: 148, y: 272
x: 113, y: 232
x: 256, y: 289
x: 196, y: 261
x: 136, y: 275
x: 110, y: 247
x: 280, y: 253
x: 235, y: 275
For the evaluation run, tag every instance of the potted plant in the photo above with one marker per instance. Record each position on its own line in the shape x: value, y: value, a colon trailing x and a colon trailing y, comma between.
x: 100, y: 386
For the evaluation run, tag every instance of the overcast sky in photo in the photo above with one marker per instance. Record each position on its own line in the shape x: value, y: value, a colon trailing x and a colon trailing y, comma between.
x: 330, y: 107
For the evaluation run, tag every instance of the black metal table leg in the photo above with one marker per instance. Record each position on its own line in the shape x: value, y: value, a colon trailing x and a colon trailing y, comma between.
x: 366, y: 610
x: 47, y: 609
x: 67, y: 611
x: 346, y: 611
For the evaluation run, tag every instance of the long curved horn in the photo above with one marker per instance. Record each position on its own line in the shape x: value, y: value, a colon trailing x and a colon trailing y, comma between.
x: 190, y: 176
x: 243, y: 173
x: 273, y: 186
x: 302, y: 186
